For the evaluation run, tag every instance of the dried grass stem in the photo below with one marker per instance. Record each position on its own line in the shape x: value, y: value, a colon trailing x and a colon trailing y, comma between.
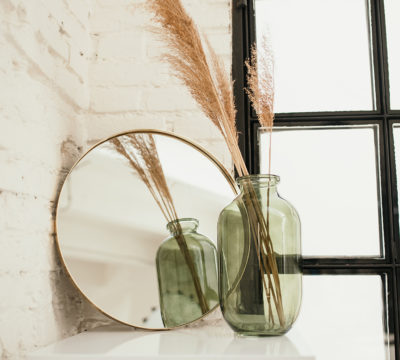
x: 141, y: 153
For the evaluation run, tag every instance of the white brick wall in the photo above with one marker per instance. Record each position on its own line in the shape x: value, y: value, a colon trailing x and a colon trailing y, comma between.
x: 129, y: 82
x: 73, y: 72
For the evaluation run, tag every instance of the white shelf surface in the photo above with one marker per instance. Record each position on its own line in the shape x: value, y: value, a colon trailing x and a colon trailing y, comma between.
x: 204, y: 342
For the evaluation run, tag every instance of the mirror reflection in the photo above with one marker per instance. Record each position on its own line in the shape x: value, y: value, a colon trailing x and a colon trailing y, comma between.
x: 136, y: 227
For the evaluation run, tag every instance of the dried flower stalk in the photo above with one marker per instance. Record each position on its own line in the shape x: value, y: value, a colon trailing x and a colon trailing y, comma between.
x: 212, y: 89
x: 205, y: 80
x: 141, y: 153
x: 260, y: 90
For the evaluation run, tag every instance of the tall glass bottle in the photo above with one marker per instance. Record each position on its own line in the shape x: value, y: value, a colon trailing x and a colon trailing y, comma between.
x: 259, y: 247
x: 187, y: 274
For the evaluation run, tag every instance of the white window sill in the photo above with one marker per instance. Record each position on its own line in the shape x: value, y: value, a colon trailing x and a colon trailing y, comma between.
x: 203, y: 342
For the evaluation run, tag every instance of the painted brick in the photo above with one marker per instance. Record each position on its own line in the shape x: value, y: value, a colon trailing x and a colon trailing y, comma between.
x: 210, y: 15
x: 116, y: 99
x: 168, y: 99
x: 80, y: 9
x: 221, y: 43
x: 41, y: 100
x: 74, y: 72
x: 193, y: 125
x: 130, y: 73
x: 47, y: 65
x: 117, y: 3
x: 104, y: 125
x: 128, y: 16
x: 78, y: 62
x: 122, y: 45
x: 39, y: 257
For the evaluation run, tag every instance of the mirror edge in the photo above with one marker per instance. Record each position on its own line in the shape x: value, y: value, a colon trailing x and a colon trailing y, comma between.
x: 185, y: 140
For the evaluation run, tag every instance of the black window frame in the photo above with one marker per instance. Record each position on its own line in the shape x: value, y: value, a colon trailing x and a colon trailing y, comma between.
x: 243, y: 36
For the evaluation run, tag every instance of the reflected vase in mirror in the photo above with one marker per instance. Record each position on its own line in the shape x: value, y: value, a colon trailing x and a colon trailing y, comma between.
x: 259, y: 247
x: 110, y: 226
x: 187, y: 273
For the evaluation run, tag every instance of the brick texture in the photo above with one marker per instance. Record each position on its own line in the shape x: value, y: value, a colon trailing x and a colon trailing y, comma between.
x: 129, y: 81
x: 73, y: 72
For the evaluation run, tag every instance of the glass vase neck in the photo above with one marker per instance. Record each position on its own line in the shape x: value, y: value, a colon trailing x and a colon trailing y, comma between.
x: 186, y: 225
x: 258, y: 181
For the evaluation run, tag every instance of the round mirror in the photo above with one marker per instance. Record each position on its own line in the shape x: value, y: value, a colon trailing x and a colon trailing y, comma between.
x: 136, y: 227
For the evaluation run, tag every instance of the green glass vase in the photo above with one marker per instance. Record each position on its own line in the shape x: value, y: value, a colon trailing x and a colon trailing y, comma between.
x: 187, y: 274
x: 259, y: 247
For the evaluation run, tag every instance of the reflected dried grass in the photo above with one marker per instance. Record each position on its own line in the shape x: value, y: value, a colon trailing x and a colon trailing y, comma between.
x: 140, y: 151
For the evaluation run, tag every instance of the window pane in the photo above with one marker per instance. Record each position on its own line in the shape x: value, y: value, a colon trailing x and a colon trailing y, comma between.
x: 392, y: 14
x: 330, y: 175
x: 322, y: 53
x: 396, y: 137
x: 344, y: 317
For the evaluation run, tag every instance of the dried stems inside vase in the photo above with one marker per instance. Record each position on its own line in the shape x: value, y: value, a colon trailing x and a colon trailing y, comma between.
x: 141, y: 153
x: 202, y: 71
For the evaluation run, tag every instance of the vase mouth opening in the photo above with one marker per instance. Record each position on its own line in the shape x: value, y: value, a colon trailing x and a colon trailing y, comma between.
x: 259, y: 179
x: 186, y: 224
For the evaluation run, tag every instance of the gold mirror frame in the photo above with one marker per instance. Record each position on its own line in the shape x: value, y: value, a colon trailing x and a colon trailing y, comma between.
x: 186, y: 141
